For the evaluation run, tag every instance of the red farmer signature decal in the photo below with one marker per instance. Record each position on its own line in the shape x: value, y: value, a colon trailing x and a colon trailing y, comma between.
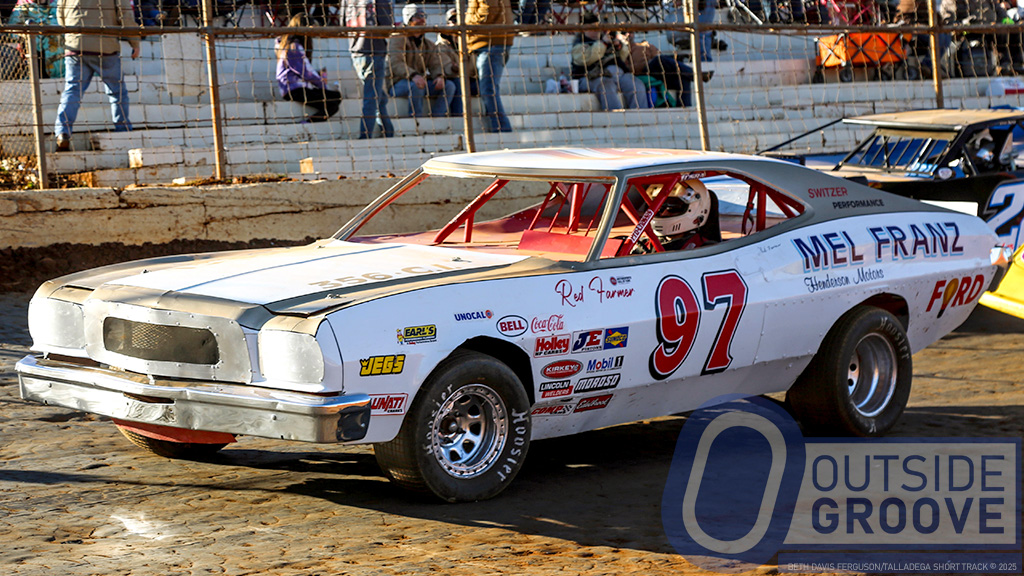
x: 679, y: 318
x: 595, y: 288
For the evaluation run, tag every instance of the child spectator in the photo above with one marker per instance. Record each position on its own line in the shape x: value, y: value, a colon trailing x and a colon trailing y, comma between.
x: 296, y: 78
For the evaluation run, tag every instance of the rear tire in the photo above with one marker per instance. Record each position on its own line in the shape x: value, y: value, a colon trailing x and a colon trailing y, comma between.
x: 171, y: 449
x: 467, y: 433
x: 859, y: 381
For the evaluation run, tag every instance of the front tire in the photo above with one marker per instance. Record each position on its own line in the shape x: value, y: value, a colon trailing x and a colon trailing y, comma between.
x: 467, y: 433
x: 859, y: 381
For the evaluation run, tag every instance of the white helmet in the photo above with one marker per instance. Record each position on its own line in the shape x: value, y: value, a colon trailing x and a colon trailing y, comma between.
x: 685, y: 209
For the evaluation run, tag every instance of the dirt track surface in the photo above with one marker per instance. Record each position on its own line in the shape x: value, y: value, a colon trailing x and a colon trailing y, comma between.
x: 78, y: 499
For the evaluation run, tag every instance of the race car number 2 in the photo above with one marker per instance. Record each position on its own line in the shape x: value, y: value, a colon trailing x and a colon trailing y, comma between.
x: 679, y: 318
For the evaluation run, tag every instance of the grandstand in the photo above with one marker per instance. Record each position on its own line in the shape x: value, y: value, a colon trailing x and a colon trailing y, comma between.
x: 761, y: 94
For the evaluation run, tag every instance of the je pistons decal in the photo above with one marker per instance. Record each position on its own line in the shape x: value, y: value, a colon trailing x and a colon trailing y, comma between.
x: 382, y: 365
x: 417, y: 334
x: 561, y: 369
x: 587, y: 341
x: 511, y: 325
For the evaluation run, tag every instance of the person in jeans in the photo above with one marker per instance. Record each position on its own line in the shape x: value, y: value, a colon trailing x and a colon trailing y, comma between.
x: 296, y: 78
x: 490, y: 51
x: 89, y: 54
x: 416, y: 70
x: 369, y: 57
x: 598, y: 62
x: 449, y: 54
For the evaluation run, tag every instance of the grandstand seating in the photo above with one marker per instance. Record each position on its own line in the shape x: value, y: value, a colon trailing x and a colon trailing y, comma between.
x: 760, y: 95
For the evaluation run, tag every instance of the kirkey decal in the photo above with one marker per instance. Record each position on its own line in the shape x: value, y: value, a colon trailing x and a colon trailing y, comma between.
x: 382, y: 365
x: 561, y: 369
x: 553, y: 345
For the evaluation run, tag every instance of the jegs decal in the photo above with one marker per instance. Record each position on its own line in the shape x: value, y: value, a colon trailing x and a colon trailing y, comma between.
x: 382, y: 365
x: 679, y: 314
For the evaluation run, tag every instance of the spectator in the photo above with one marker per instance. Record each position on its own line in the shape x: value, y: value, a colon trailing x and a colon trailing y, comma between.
x: 416, y: 69
x: 50, y: 47
x: 296, y: 78
x: 597, y: 59
x: 449, y: 54
x: 369, y: 56
x: 491, y: 52
x: 675, y: 13
x: 534, y: 11
x: 89, y: 54
x: 646, y: 60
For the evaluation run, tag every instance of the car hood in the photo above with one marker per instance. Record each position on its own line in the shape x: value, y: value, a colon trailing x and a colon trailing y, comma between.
x: 292, y: 278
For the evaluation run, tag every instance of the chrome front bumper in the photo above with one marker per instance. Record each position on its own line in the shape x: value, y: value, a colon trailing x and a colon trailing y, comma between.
x: 215, y: 407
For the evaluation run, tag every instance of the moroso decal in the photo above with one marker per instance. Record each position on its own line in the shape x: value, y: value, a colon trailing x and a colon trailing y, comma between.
x: 561, y: 369
x: 387, y: 404
x: 595, y: 383
x: 417, y: 334
x: 593, y: 403
x: 955, y: 292
x: 553, y: 345
x: 511, y: 325
x: 555, y: 389
x: 382, y: 365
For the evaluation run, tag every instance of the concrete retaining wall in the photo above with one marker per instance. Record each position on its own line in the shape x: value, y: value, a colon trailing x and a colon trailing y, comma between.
x: 275, y: 210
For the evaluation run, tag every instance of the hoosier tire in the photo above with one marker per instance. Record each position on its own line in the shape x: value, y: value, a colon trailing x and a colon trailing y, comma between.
x: 859, y: 381
x: 171, y: 449
x: 466, y: 435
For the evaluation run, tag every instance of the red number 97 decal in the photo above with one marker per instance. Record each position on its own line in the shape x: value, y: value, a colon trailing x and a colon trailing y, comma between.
x: 679, y: 317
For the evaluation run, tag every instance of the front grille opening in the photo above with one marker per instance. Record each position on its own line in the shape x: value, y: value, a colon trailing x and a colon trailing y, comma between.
x: 160, y: 343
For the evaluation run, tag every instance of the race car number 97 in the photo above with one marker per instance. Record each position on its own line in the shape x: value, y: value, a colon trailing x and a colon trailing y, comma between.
x: 679, y: 318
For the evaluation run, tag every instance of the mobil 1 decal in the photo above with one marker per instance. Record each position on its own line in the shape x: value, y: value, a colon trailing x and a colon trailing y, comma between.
x: 679, y: 317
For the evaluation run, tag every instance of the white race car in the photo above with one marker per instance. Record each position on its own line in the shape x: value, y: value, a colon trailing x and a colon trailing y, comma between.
x: 647, y: 282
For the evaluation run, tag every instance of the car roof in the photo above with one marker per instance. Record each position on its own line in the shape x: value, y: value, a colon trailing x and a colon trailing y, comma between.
x: 574, y: 161
x: 936, y: 119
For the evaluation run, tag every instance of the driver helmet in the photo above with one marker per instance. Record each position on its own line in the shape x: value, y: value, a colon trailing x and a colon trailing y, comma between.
x: 685, y: 209
x: 986, y: 147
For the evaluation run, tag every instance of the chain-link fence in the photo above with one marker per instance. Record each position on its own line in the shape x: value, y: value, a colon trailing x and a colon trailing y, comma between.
x: 619, y: 73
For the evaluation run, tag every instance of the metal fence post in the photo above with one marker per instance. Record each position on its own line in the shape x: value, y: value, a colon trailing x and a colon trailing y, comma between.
x: 698, y: 74
x: 467, y: 100
x: 214, y: 82
x: 37, y: 110
x: 934, y: 29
